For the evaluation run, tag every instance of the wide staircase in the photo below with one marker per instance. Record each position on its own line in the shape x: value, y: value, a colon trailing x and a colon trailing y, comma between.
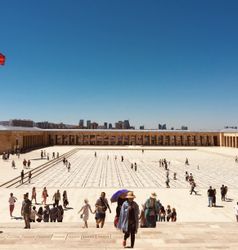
x: 176, y: 236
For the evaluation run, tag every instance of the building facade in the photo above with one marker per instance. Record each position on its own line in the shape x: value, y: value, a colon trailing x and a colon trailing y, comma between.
x: 30, y: 138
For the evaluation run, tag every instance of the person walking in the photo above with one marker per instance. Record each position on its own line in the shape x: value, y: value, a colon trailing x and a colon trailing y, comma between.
x: 57, y: 198
x: 33, y: 195
x: 101, y: 208
x: 28, y: 164
x: 13, y: 164
x: 210, y: 194
x: 151, y: 210
x: 85, y: 212
x: 223, y: 192
x: 12, y: 201
x: 44, y: 196
x: 65, y: 199
x: 26, y: 211
x: 193, y: 185
x: 22, y: 176
x: 29, y: 177
x: 129, y: 219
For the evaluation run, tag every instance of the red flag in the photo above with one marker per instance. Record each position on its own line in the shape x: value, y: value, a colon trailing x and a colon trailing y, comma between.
x: 2, y: 59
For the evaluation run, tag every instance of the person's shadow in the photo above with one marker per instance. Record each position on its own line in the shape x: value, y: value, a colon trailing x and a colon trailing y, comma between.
x: 68, y: 208
x: 17, y: 217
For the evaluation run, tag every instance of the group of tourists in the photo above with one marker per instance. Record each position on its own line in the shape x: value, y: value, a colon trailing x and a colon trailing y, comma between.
x: 190, y: 179
x: 153, y: 211
x: 67, y: 164
x: 50, y: 213
x: 6, y: 156
x: 26, y: 164
x: 23, y: 176
x: 134, y: 166
x: 46, y: 155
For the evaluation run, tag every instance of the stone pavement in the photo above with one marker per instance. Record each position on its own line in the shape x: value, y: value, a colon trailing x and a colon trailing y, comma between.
x: 178, y: 236
x: 198, y: 226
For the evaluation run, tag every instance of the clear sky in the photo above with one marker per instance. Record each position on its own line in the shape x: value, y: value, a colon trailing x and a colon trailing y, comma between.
x: 173, y: 62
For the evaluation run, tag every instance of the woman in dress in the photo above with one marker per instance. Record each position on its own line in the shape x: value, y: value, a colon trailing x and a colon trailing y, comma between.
x: 85, y: 213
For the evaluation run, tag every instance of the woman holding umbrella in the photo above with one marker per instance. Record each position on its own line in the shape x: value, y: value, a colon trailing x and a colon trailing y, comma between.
x: 119, y: 197
x: 129, y: 217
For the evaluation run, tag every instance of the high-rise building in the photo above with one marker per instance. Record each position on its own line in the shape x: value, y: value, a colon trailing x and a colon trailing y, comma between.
x: 110, y: 126
x: 81, y: 123
x: 88, y: 124
x: 142, y: 127
x: 126, y: 124
x: 105, y: 125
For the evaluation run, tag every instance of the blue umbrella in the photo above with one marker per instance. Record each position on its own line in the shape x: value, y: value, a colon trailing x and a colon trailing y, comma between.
x: 116, y: 195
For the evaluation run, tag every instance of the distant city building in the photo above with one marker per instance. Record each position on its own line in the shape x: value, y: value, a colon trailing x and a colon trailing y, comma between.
x: 4, y: 123
x: 142, y: 127
x: 118, y: 125
x: 21, y: 123
x: 88, y: 124
x: 162, y: 126
x: 105, y: 125
x: 184, y: 128
x: 81, y: 123
x: 93, y: 125
x: 110, y: 126
x: 230, y: 127
x: 50, y: 125
x: 126, y: 124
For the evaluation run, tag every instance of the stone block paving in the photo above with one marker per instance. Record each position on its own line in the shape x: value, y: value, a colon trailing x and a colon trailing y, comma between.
x: 166, y: 236
x: 208, y: 168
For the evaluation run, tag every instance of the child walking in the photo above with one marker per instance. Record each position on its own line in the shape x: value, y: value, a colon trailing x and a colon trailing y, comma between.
x: 85, y: 213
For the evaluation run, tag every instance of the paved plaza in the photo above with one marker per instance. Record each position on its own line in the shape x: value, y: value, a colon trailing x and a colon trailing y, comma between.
x: 89, y: 175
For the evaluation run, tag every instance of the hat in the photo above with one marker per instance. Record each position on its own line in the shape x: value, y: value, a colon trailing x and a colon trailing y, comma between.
x: 130, y: 195
x: 153, y: 195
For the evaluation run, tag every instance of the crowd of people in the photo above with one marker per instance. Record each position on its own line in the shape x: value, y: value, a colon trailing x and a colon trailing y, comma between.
x: 46, y: 212
x: 129, y: 217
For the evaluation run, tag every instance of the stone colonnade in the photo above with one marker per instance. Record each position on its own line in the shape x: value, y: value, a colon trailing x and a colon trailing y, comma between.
x: 229, y: 140
x: 26, y: 140
x: 132, y: 138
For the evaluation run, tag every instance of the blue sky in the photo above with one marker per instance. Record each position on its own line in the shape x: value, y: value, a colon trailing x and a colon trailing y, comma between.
x: 173, y: 62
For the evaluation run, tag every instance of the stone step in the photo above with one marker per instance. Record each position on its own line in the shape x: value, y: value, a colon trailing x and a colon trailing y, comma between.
x: 166, y: 236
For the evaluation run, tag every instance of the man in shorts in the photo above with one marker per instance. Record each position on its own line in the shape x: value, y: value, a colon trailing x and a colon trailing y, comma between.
x: 101, y: 207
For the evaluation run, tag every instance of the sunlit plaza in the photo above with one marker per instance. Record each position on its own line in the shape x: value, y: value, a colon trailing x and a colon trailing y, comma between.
x: 89, y: 175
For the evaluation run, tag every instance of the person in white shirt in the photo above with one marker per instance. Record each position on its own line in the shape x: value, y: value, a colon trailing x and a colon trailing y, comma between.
x: 33, y: 214
x: 236, y: 211
x: 11, y: 201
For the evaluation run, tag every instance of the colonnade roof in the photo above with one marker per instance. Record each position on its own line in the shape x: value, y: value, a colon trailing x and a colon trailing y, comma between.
x: 11, y: 128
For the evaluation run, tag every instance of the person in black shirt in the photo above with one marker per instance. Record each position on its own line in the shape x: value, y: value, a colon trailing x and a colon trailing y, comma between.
x: 210, y: 194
